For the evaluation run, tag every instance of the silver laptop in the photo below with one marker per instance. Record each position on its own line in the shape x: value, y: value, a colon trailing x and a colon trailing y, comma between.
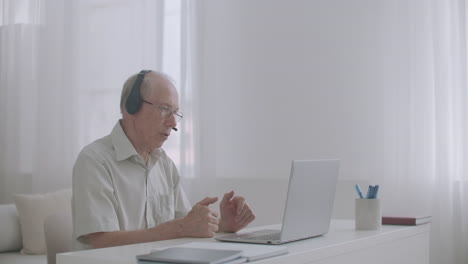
x: 309, y: 205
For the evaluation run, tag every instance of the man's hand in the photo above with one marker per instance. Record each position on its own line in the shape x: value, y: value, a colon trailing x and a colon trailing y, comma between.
x: 235, y: 213
x: 201, y: 221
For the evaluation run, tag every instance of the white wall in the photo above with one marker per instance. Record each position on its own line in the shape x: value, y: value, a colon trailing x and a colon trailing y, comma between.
x: 293, y: 80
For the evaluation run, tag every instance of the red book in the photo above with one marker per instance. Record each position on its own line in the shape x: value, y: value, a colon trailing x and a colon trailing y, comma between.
x: 390, y: 220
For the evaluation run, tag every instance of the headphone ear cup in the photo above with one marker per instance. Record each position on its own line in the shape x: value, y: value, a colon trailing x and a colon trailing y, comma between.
x: 133, y: 103
x: 134, y: 100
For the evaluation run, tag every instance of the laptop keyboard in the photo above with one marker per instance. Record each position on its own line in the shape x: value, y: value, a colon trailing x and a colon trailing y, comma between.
x: 268, y: 237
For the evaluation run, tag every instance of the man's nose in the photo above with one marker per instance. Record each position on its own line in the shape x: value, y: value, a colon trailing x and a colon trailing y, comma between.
x: 171, y: 120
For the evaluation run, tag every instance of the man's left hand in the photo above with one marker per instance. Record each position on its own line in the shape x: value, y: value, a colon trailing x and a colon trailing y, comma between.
x: 235, y: 213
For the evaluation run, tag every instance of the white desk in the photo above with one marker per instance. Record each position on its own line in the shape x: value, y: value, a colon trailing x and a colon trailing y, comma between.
x: 391, y: 244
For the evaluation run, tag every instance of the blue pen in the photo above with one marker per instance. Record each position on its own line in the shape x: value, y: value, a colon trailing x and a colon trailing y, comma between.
x: 358, y: 191
x: 376, y: 191
x: 369, y: 192
x: 372, y: 194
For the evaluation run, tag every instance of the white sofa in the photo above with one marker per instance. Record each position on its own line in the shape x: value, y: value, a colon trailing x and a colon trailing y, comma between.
x: 11, y: 239
x: 35, y: 227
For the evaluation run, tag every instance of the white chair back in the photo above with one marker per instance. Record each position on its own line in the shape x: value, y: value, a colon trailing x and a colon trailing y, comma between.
x: 58, y: 230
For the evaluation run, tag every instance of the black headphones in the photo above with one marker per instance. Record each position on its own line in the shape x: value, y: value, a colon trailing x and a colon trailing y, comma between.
x: 134, y: 100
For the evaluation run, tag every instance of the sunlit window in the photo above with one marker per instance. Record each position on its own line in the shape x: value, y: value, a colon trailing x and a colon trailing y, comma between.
x: 120, y: 38
x: 20, y: 12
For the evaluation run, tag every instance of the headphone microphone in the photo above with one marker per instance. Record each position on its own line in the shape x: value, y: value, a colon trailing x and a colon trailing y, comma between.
x: 175, y: 129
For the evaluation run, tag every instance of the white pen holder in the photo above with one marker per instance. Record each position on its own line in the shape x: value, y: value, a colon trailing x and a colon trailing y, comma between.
x: 368, y: 214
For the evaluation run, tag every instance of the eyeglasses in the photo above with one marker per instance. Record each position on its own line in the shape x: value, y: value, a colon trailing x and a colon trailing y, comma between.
x: 166, y: 112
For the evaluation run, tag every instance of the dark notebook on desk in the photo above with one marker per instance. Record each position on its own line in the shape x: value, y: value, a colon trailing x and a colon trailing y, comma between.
x: 398, y: 220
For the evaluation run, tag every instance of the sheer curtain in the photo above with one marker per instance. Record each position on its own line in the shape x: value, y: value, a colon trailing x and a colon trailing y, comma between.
x: 62, y: 67
x: 450, y: 130
x: 190, y: 84
x: 427, y: 123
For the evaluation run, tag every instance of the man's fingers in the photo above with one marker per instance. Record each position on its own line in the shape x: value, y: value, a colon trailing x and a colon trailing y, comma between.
x: 213, y: 227
x: 213, y: 220
x: 246, y: 217
x: 214, y: 213
x: 227, y: 198
x: 210, y: 231
x: 247, y: 220
x: 239, y: 204
x: 243, y: 213
x: 208, y: 200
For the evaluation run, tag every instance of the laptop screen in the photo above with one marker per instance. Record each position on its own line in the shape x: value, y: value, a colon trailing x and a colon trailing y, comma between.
x: 310, y: 198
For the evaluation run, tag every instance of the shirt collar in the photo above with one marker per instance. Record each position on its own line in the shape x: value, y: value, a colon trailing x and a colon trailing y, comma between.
x: 124, y: 148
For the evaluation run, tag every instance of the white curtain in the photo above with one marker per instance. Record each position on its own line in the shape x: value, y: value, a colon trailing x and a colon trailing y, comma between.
x: 427, y: 122
x: 62, y: 67
x: 190, y: 85
x: 450, y: 133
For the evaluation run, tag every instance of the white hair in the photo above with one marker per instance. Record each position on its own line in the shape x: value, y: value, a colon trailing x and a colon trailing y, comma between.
x: 145, y: 90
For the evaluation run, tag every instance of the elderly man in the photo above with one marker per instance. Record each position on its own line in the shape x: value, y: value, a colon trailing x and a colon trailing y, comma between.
x: 127, y: 190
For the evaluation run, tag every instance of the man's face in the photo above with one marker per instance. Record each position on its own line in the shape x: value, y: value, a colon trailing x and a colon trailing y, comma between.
x: 152, y: 127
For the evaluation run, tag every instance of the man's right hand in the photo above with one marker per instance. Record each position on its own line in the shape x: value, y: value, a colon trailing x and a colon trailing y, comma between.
x: 201, y: 221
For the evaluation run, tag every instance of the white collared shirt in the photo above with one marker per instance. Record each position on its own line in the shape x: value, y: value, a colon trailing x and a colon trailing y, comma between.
x: 114, y: 190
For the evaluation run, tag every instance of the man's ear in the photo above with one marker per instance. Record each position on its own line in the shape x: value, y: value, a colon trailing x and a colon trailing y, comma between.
x: 126, y: 115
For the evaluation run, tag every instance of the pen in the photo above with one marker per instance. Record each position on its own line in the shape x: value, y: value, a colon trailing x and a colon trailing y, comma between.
x: 376, y: 191
x: 369, y: 192
x: 358, y: 191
